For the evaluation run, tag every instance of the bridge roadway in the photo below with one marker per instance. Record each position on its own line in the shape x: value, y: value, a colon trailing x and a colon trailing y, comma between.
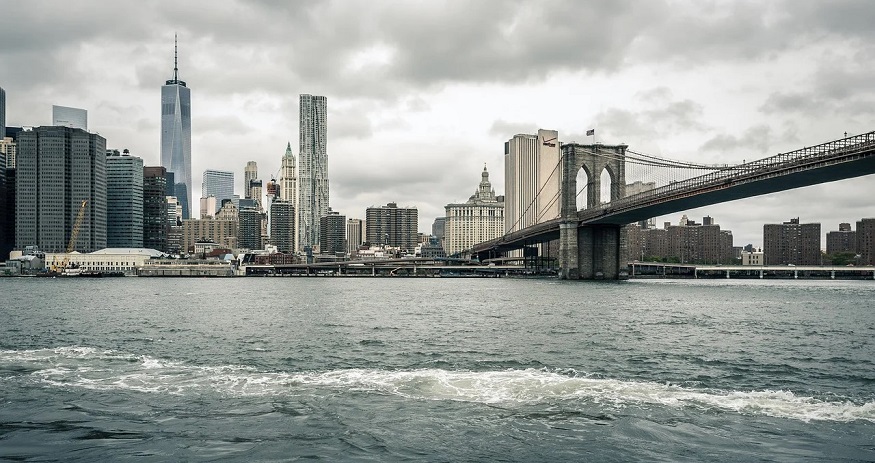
x: 840, y: 159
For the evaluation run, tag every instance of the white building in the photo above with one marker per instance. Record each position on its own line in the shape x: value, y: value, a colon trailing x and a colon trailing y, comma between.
x: 532, y: 179
x: 312, y: 191
x: 125, y: 260
x: 354, y: 235
x: 480, y: 219
x: 752, y: 258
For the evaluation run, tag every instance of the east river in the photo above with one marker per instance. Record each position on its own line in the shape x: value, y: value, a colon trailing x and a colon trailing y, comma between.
x: 392, y: 369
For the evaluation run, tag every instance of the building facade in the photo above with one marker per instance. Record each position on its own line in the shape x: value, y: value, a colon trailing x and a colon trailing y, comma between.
x: 155, y: 208
x: 218, y: 183
x: 75, y: 118
x: 354, y: 236
x: 58, y: 170
x: 2, y: 113
x: 332, y: 233
x: 866, y: 241
x: 249, y: 231
x: 220, y: 231
x: 791, y: 243
x: 479, y: 219
x: 391, y: 225
x: 687, y: 242
x: 176, y: 137
x: 531, y: 179
x: 250, y: 173
x: 124, y: 200
x: 842, y: 241
x: 313, y: 192
x: 282, y: 225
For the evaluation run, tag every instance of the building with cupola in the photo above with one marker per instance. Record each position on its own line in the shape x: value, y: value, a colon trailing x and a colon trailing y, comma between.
x: 479, y: 219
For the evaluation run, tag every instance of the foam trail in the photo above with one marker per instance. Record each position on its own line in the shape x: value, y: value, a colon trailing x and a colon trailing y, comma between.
x: 109, y: 370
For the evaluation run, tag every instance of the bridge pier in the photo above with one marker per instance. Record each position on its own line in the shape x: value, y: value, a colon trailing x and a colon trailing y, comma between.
x: 592, y: 252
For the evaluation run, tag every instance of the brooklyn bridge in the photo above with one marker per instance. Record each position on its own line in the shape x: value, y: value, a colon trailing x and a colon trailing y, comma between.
x: 592, y: 239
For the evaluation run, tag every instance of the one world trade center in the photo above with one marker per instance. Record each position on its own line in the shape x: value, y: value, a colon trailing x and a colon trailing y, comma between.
x: 176, y: 135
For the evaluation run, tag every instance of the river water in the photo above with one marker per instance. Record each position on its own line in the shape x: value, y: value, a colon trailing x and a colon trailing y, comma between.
x: 385, y: 369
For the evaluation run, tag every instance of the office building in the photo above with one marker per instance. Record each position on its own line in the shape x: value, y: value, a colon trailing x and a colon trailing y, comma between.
x: 74, y: 118
x: 842, y: 241
x: 59, y: 170
x: 2, y: 113
x: 332, y: 233
x: 479, y: 219
x: 791, y: 243
x: 124, y: 200
x: 155, y: 208
x: 176, y: 136
x: 438, y: 228
x: 209, y: 206
x: 7, y: 239
x: 866, y: 241
x: 249, y: 231
x: 220, y: 231
x: 288, y: 181
x: 282, y: 225
x: 354, y: 236
x: 255, y: 191
x: 250, y: 173
x: 313, y: 194
x: 218, y: 183
x: 531, y: 179
x: 393, y: 226
x: 8, y: 149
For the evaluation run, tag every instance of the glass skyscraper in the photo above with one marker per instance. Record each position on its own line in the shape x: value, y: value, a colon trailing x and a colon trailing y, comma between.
x: 124, y: 200
x: 176, y: 136
x: 312, y: 171
x: 218, y: 183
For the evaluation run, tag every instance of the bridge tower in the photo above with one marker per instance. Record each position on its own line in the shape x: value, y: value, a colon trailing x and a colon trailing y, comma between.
x: 592, y: 251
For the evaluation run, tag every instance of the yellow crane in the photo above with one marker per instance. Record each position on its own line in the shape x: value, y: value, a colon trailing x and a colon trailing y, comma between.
x: 57, y: 268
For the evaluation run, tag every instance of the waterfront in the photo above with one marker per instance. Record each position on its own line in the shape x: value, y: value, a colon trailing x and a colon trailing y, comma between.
x: 495, y: 369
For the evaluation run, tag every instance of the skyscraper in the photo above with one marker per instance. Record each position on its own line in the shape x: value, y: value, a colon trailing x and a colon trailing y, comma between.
x: 124, y: 200
x: 2, y: 114
x: 176, y: 135
x: 250, y: 173
x: 64, y: 116
x: 531, y: 179
x: 354, y: 236
x: 218, y: 183
x: 312, y: 201
x: 288, y: 184
x: 332, y: 233
x: 282, y: 225
x: 59, y: 169
x: 155, y: 208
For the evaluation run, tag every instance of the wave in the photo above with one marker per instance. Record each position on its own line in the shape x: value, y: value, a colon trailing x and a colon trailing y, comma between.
x: 91, y: 368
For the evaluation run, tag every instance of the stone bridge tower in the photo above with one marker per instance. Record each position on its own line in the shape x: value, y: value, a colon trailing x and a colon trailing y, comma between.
x: 591, y: 251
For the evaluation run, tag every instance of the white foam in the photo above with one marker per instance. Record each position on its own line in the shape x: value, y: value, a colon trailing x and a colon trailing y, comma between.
x: 94, y: 369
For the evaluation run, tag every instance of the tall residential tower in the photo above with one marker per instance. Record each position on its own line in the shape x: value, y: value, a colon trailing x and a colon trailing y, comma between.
x: 176, y: 135
x: 312, y: 201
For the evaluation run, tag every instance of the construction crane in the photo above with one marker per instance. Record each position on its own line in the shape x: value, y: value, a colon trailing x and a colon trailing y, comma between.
x: 72, y: 244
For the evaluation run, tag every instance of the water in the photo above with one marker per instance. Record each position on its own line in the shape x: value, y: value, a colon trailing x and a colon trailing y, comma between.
x: 344, y: 369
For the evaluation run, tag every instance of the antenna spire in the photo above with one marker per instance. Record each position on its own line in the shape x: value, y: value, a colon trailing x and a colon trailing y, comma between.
x: 175, y: 55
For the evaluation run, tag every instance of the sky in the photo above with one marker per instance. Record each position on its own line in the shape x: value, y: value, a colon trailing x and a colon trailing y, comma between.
x: 422, y: 94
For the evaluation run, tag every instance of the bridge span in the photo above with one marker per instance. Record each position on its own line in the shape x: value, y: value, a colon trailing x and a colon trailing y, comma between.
x: 591, y: 240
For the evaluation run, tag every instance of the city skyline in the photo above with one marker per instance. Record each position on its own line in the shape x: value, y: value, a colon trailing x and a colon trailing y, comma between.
x: 413, y: 119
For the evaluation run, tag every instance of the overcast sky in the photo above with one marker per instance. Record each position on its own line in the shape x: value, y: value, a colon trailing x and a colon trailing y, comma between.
x: 422, y: 94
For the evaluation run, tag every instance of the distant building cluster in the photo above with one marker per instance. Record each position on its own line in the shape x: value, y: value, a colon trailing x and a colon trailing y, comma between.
x: 687, y: 242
